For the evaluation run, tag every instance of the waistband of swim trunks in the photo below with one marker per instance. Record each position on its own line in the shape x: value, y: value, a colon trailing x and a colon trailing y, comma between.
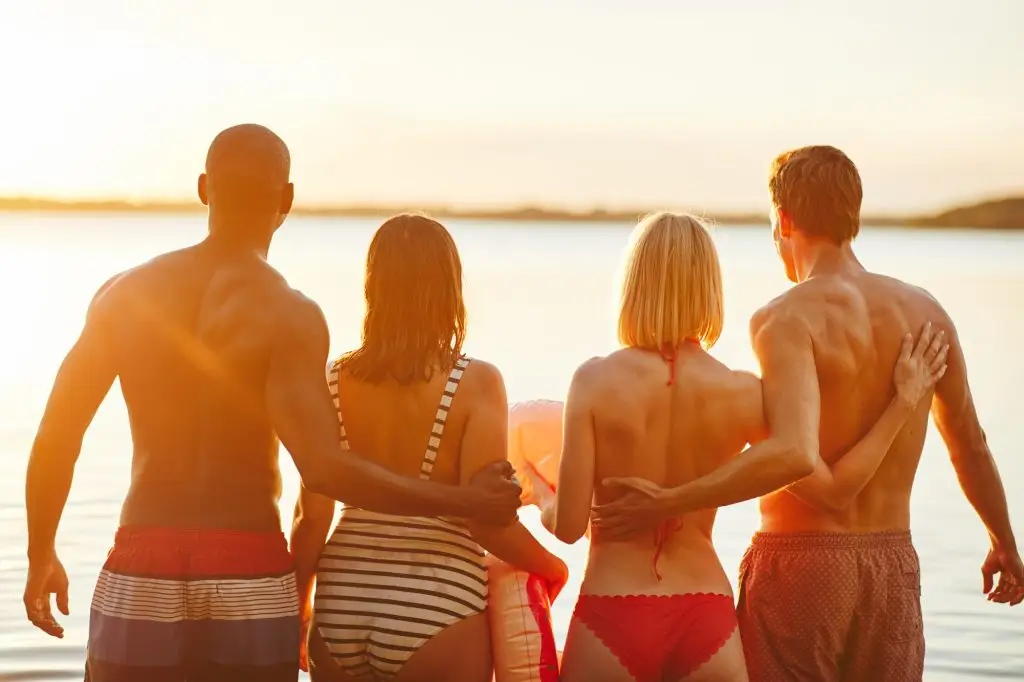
x: 201, y: 538
x: 821, y: 540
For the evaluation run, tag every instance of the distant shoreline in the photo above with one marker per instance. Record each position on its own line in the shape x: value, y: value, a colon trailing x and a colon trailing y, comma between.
x: 1002, y: 214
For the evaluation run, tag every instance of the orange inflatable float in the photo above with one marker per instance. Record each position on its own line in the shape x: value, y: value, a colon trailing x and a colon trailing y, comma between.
x: 535, y: 440
x: 522, y: 640
x: 520, y: 613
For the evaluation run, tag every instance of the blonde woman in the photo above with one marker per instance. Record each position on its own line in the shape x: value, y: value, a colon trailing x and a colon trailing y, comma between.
x: 659, y: 606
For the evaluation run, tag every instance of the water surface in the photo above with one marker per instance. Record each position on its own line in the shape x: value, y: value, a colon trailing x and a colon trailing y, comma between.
x: 540, y: 300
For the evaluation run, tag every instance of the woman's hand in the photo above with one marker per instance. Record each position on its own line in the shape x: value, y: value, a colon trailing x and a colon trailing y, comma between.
x: 920, y: 366
x: 556, y: 578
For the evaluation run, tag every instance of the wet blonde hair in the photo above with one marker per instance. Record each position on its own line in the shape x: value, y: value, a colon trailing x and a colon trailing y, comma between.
x: 671, y: 284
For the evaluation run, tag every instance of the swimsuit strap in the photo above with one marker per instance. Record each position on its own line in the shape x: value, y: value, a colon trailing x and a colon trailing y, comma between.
x: 332, y: 383
x: 437, y: 430
x: 661, y: 534
x: 670, y: 354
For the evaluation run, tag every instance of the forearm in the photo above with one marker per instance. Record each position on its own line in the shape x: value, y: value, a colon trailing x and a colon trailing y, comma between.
x: 979, y: 478
x: 515, y: 545
x: 761, y: 469
x: 358, y: 482
x: 47, y: 484
x: 837, y: 486
x: 309, y: 533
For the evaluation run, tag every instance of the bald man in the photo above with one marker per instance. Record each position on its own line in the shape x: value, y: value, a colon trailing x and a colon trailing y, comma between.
x: 218, y: 358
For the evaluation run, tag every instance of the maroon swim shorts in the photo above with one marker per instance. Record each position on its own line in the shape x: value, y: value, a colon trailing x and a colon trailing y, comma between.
x: 831, y: 607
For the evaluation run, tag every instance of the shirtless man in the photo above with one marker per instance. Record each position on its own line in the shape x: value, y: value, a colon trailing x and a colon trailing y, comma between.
x: 217, y: 359
x: 831, y: 591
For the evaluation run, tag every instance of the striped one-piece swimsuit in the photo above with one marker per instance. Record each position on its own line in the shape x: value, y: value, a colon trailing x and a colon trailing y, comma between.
x: 387, y: 584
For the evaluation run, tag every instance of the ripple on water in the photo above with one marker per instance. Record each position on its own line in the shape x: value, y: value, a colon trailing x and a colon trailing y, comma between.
x: 63, y: 662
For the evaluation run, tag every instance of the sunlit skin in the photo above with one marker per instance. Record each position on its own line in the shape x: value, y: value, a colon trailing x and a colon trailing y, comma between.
x: 621, y: 420
x: 841, y: 582
x: 846, y: 323
x: 388, y: 390
x: 219, y: 361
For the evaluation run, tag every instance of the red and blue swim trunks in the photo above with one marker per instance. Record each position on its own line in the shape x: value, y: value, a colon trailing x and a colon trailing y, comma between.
x: 179, y: 605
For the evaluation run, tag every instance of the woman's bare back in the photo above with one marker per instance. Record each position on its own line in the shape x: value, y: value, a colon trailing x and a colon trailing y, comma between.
x: 669, y: 434
x: 391, y: 423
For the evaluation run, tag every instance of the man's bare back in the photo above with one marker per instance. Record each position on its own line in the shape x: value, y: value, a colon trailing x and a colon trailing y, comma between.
x: 192, y: 341
x: 856, y: 323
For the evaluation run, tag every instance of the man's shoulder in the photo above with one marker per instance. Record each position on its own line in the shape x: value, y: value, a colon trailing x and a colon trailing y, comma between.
x: 297, y: 312
x: 786, y: 312
x: 154, y: 270
x: 810, y: 301
x: 743, y: 381
x: 911, y: 292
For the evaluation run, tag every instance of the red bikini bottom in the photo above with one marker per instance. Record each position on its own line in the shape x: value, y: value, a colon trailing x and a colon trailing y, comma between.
x: 658, y: 637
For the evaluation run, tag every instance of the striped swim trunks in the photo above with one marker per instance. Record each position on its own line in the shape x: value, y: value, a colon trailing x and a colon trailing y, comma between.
x: 176, y: 604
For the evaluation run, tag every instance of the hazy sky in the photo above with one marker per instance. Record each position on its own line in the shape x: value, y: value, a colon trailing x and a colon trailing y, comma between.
x: 562, y: 102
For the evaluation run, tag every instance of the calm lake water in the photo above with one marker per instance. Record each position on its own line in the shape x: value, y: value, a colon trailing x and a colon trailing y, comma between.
x: 540, y: 299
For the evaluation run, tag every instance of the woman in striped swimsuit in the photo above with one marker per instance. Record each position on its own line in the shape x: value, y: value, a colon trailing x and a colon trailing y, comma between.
x: 403, y: 598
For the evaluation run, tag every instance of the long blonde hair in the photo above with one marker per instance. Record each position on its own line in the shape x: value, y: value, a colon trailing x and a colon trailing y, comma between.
x: 671, y: 284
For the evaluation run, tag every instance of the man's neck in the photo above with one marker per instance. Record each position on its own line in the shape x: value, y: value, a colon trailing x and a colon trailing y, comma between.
x: 821, y: 257
x: 238, y: 236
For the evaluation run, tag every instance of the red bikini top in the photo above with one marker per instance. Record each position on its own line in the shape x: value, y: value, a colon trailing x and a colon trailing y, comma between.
x: 669, y: 354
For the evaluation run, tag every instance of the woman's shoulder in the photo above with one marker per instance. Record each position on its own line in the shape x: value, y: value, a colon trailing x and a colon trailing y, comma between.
x: 481, y: 373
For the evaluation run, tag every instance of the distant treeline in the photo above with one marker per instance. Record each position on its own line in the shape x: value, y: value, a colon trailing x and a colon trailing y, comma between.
x: 1001, y: 214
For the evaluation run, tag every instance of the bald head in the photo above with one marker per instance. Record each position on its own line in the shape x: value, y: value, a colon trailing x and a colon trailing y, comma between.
x: 247, y: 169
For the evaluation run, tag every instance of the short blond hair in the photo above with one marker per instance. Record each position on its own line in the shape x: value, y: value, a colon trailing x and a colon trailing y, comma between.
x: 671, y: 284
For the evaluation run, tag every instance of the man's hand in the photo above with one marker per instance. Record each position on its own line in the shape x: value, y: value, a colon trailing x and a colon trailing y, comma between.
x: 495, y: 494
x: 641, y: 508
x: 45, y: 578
x: 1007, y: 563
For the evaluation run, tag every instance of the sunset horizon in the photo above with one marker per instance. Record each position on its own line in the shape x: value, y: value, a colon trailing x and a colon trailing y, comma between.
x: 616, y: 104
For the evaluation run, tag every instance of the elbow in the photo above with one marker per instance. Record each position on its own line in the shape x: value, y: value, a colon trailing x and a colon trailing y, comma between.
x: 568, y: 533
x: 968, y: 458
x: 568, y: 538
x: 797, y: 460
x: 836, y: 503
x: 316, y: 480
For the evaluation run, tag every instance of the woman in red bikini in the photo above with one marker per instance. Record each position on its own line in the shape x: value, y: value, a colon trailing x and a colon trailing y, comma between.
x: 660, y: 609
